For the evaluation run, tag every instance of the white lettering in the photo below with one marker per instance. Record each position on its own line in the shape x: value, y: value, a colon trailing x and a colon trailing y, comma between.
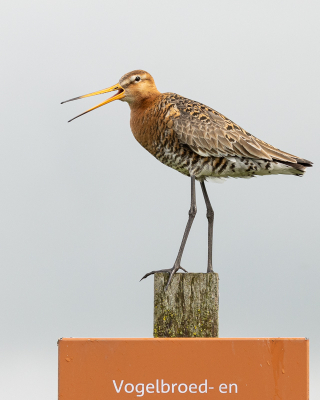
x: 230, y: 386
x: 126, y: 388
x: 222, y: 387
x: 150, y: 386
x: 162, y: 387
x: 205, y: 385
x: 193, y: 386
x: 115, y: 386
x: 182, y: 384
x: 141, y: 391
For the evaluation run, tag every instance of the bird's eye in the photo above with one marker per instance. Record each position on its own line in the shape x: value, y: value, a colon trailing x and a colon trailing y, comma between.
x: 137, y: 78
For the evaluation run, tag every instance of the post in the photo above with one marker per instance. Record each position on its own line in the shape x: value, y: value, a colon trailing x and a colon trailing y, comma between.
x: 189, y: 308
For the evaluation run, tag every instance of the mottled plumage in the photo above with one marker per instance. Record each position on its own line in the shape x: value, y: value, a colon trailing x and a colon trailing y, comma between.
x: 197, y: 140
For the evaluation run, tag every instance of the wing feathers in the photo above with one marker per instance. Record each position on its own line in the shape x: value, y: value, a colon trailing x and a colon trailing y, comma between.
x: 209, y: 133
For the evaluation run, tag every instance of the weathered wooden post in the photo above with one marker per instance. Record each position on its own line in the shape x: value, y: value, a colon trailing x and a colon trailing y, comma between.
x: 189, y: 308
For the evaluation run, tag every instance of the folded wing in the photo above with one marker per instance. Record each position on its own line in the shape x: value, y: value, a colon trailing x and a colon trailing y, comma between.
x: 209, y: 133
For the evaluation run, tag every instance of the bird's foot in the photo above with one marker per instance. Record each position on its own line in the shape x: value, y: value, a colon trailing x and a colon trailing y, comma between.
x: 170, y: 271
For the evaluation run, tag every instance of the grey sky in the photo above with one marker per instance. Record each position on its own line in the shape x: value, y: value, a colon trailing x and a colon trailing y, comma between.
x: 86, y: 212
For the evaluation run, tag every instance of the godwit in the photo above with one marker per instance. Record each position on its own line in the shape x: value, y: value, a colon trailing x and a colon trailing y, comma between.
x: 195, y: 140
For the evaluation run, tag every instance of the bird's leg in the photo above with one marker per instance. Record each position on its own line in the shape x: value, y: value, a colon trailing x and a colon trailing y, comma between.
x: 192, y: 214
x: 210, y: 216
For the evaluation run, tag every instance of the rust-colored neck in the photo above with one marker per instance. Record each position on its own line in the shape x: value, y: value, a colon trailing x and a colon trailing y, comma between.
x: 143, y: 120
x: 141, y: 103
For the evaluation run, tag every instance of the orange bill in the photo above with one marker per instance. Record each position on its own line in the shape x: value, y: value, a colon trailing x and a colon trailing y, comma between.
x: 119, y: 95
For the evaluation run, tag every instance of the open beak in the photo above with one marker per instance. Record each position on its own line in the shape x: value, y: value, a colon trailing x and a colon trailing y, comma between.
x: 119, y: 95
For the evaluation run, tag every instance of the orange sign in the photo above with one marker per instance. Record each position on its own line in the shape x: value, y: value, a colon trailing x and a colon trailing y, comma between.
x: 241, y: 369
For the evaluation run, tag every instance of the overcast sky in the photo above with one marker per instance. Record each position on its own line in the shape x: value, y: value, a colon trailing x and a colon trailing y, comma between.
x: 86, y: 211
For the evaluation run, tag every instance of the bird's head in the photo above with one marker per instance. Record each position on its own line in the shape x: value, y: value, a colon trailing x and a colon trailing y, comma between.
x: 134, y: 87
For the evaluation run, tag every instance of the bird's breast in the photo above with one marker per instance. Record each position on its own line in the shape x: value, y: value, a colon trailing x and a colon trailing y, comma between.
x: 152, y: 126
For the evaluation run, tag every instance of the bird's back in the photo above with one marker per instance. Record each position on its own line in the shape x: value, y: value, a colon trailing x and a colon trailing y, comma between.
x: 197, y: 140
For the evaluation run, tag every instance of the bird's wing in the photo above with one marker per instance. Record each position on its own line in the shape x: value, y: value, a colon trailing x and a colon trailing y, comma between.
x: 209, y: 133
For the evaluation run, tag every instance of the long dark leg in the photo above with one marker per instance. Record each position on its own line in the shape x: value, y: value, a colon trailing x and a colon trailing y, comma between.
x: 192, y: 214
x: 210, y: 216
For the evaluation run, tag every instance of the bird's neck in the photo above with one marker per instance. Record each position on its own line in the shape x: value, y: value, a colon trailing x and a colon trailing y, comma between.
x: 142, y: 119
x: 141, y: 103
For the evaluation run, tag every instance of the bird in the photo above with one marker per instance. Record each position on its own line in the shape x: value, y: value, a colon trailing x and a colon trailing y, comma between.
x: 196, y: 141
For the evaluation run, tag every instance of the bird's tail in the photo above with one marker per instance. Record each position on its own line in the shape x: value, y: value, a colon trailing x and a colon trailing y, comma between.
x: 300, y: 165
